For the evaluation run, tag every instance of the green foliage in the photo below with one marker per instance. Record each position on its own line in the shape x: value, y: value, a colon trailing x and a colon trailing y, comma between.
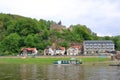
x: 10, y: 43
x: 29, y: 41
x: 65, y: 44
x: 45, y: 34
x: 33, y: 40
x: 116, y: 40
x: 83, y: 32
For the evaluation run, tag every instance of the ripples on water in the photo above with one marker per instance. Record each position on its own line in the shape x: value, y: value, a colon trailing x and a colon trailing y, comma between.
x: 58, y: 72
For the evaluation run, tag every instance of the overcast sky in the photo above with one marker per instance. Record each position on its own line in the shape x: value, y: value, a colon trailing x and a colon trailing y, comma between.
x: 101, y: 16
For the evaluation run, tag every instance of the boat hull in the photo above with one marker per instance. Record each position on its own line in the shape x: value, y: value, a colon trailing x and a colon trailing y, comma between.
x: 67, y: 62
x: 114, y: 65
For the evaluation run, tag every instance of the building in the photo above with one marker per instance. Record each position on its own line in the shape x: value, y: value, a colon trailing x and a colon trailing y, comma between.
x: 60, y: 51
x: 49, y: 51
x: 28, y: 51
x: 98, y: 46
x: 74, y: 50
x: 57, y: 27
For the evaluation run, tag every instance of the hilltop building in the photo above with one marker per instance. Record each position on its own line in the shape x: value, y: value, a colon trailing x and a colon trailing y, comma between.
x: 57, y: 27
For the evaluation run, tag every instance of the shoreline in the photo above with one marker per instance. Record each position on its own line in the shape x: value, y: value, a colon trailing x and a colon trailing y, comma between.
x: 55, y: 57
x: 87, y: 60
x: 42, y: 61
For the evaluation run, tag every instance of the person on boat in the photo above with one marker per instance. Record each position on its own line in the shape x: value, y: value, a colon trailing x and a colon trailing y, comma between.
x: 59, y: 62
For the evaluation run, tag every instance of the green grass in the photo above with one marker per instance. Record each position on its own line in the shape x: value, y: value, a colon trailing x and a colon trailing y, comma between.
x: 95, y: 59
x: 47, y: 60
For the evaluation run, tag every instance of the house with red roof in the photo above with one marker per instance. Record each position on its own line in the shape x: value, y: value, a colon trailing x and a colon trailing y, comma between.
x: 49, y: 51
x: 28, y: 51
x: 60, y: 51
x: 74, y: 50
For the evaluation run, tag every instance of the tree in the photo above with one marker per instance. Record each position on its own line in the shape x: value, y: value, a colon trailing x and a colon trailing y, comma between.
x: 32, y: 40
x: 64, y: 44
x: 83, y: 32
x: 45, y: 34
x: 10, y: 43
x: 107, y: 38
x: 116, y: 40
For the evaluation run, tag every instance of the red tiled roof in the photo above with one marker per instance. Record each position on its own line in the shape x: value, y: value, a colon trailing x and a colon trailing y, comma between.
x: 79, y: 47
x: 62, y: 48
x: 29, y: 49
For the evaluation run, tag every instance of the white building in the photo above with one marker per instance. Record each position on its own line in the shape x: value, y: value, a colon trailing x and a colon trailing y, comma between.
x: 98, y: 46
x: 60, y: 51
x: 49, y: 51
x: 74, y: 50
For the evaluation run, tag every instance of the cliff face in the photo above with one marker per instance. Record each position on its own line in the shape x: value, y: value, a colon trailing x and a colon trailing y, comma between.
x: 57, y: 27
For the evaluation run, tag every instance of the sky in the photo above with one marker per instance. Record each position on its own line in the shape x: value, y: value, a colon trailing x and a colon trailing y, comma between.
x: 101, y: 16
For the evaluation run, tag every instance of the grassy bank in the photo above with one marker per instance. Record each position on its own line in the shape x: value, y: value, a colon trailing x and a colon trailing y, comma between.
x: 48, y: 60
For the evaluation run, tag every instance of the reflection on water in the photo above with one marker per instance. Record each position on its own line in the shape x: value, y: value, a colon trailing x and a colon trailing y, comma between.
x: 65, y: 72
x: 102, y: 73
x: 58, y: 72
x: 28, y: 72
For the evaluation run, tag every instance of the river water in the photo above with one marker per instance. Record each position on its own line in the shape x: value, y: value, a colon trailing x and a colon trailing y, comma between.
x: 58, y: 72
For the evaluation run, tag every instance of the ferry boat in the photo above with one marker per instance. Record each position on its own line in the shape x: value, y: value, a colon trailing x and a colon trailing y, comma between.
x: 71, y: 61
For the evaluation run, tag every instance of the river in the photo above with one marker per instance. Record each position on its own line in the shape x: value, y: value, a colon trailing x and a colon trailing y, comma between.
x: 58, y: 72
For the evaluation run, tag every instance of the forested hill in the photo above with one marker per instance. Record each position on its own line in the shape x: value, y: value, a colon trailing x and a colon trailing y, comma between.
x: 18, y: 31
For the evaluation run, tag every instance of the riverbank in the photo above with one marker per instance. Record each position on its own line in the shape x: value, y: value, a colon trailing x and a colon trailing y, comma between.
x: 50, y: 59
x: 57, y: 56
